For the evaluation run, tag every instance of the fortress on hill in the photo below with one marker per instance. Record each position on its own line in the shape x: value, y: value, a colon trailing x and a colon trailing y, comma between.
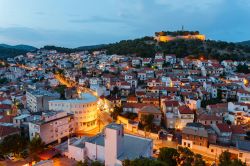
x: 166, y: 36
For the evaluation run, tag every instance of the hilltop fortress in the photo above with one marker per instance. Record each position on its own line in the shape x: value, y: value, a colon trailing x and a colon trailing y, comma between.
x: 166, y: 36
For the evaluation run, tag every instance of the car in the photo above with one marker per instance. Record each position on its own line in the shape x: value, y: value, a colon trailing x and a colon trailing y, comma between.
x: 11, y: 156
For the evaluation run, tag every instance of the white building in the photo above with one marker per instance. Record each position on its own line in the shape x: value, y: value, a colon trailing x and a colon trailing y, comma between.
x: 111, y: 147
x: 52, y: 126
x: 37, y: 100
x: 84, y: 110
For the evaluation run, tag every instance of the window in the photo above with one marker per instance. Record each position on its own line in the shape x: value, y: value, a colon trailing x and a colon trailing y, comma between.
x: 189, y: 145
x: 240, y: 155
x: 212, y: 150
x: 184, y: 143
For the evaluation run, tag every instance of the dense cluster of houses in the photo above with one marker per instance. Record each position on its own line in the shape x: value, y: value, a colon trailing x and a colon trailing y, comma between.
x: 206, y: 100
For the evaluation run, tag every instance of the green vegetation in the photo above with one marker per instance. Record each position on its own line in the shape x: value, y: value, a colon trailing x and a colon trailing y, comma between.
x: 13, y: 144
x: 140, y: 47
x: 72, y: 50
x: 243, y: 69
x: 3, y: 80
x: 10, y: 52
x: 61, y: 89
x: 169, y: 157
x: 147, y: 120
x: 36, y: 146
x: 117, y: 111
x: 225, y: 159
x: 90, y: 163
x: 147, y: 47
x: 143, y: 162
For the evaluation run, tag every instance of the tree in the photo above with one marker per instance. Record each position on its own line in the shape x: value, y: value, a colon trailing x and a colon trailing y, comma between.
x: 237, y: 162
x: 84, y: 70
x: 61, y: 89
x: 243, y: 69
x: 225, y: 159
x: 3, y: 80
x: 169, y: 156
x: 36, y: 146
x: 198, y: 160
x: 186, y: 156
x: 13, y: 144
x: 143, y: 162
x: 147, y: 120
x: 115, y: 91
x: 117, y: 111
x: 96, y: 163
x: 79, y: 163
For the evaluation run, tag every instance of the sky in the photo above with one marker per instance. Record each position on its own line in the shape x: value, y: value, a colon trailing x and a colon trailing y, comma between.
x: 73, y: 23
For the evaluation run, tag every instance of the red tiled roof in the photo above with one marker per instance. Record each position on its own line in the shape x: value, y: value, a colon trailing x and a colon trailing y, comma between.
x: 7, y: 130
x: 131, y: 98
x: 171, y: 103
x: 185, y: 110
x: 7, y: 119
x: 136, y: 105
x: 219, y: 105
x: 209, y: 117
x: 224, y: 127
x: 237, y: 129
x: 150, y: 99
x: 5, y: 106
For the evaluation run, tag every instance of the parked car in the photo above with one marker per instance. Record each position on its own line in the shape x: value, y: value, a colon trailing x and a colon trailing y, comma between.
x: 11, y: 156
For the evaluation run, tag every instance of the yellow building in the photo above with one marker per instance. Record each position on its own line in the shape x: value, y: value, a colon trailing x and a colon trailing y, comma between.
x: 168, y: 38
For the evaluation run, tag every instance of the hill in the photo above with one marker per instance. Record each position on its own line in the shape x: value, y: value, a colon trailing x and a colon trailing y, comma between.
x: 71, y: 50
x: 210, y: 49
x: 148, y: 46
x: 19, y: 47
x: 245, y: 43
x: 10, y: 52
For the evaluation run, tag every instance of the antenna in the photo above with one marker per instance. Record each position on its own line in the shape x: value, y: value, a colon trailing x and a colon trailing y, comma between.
x: 182, y: 27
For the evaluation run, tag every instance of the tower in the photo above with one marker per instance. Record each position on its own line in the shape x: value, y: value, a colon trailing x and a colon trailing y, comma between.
x: 113, y: 142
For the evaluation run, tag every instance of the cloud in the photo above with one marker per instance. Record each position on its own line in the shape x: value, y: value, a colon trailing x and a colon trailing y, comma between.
x: 66, y: 38
x: 189, y: 5
x: 97, y: 19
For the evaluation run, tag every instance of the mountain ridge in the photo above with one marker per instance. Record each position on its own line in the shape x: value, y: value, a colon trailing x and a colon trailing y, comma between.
x: 19, y: 47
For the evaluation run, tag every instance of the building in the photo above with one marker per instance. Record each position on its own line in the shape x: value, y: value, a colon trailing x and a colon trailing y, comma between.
x: 110, y: 147
x: 209, y: 119
x: 194, y: 134
x: 229, y: 134
x: 185, y: 115
x: 163, y: 37
x: 8, y: 130
x: 150, y: 110
x: 37, y: 100
x: 84, y: 110
x: 52, y: 126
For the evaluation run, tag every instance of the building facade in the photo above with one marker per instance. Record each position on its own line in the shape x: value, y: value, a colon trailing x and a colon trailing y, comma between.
x: 52, y: 126
x: 84, y: 110
x: 37, y: 100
